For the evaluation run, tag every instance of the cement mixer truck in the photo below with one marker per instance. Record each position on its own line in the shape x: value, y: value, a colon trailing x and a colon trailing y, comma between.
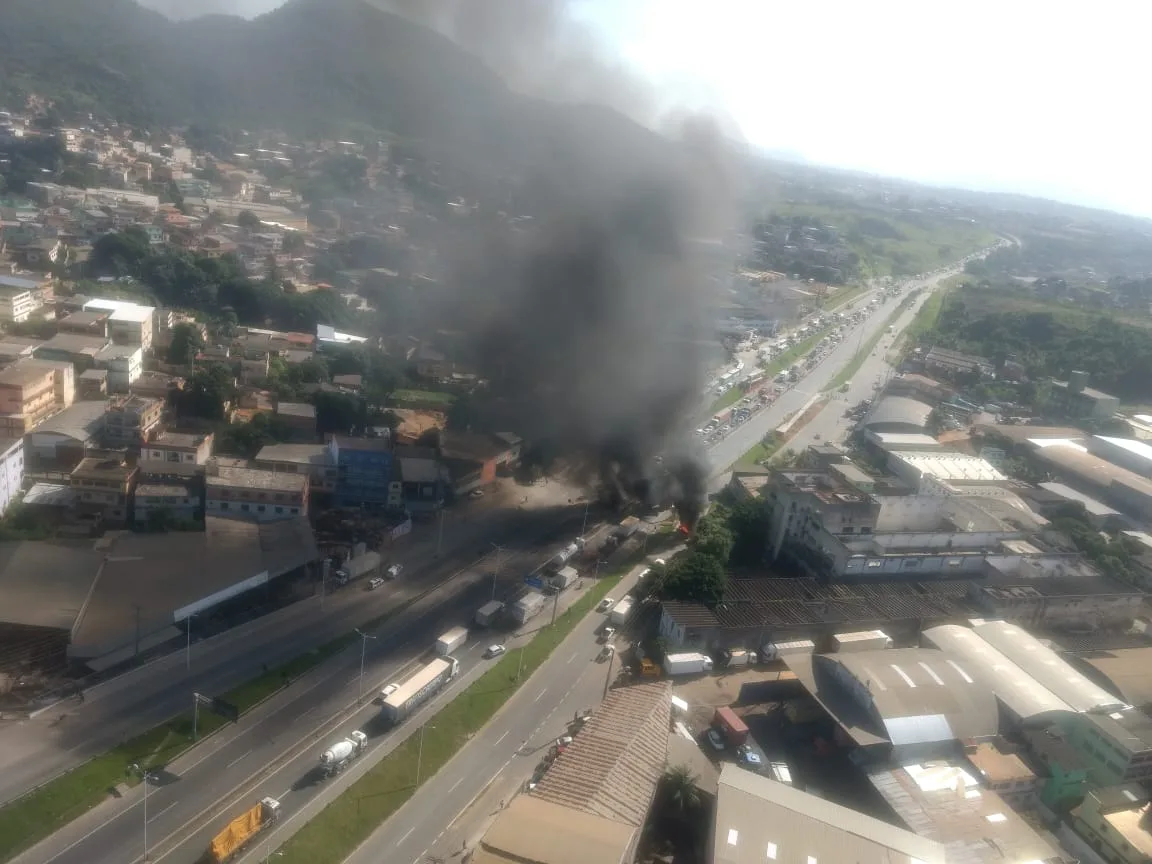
x: 336, y: 758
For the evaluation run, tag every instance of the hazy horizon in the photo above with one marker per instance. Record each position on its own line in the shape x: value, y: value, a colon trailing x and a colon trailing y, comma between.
x: 1023, y: 98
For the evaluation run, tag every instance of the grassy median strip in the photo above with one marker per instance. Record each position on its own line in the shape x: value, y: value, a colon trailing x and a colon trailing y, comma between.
x: 853, y: 366
x: 28, y: 820
x: 349, y: 820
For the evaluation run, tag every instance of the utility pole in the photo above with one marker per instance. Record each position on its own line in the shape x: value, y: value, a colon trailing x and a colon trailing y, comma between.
x: 555, y: 604
x: 145, y: 777
x: 520, y: 664
x: 584, y: 527
x: 195, y: 715
x: 188, y: 644
x: 364, y: 637
x: 496, y: 572
x: 608, y: 674
x: 420, y: 752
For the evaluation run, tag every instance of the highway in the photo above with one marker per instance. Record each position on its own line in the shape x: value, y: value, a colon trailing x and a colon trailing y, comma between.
x: 275, y: 748
x: 726, y: 452
x: 63, y: 736
x: 513, y: 743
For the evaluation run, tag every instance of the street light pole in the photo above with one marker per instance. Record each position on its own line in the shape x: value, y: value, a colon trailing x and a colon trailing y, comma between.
x: 364, y: 637
x: 520, y: 663
x: 584, y: 527
x: 420, y: 753
x: 608, y: 674
x: 145, y: 777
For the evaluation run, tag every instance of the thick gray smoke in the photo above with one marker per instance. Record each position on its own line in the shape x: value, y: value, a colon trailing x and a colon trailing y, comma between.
x: 591, y: 323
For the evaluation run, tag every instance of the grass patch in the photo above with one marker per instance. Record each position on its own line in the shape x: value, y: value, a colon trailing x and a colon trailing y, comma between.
x: 731, y: 397
x: 28, y: 820
x: 423, y: 397
x: 760, y: 452
x: 843, y: 295
x: 853, y: 366
x: 929, y: 313
x: 345, y: 823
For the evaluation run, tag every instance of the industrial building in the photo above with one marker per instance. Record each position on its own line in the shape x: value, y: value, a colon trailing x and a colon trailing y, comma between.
x: 1128, y: 453
x: 1075, y: 399
x: 592, y: 803
x: 897, y: 414
x: 900, y: 703
x: 758, y: 820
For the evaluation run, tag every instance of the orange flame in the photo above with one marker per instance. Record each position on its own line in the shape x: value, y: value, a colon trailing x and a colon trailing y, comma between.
x: 684, y: 529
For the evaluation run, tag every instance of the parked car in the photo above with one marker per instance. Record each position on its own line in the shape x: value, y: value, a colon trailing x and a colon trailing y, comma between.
x: 375, y: 583
x: 394, y: 571
x: 715, y: 739
x: 605, y: 604
x: 607, y: 633
x: 494, y: 650
x: 605, y: 652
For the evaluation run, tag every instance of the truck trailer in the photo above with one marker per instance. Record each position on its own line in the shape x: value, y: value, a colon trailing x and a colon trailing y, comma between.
x: 336, y: 758
x: 863, y: 640
x: 489, y: 613
x: 564, y: 556
x: 419, y: 688
x: 451, y: 640
x: 564, y: 579
x: 242, y: 829
x: 621, y: 611
x: 733, y: 727
x: 687, y: 664
x: 770, y: 651
x: 527, y: 607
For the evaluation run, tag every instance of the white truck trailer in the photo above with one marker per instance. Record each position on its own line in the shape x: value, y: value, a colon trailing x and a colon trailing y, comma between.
x: 770, y: 651
x: 687, y: 664
x: 451, y: 640
x: 487, y: 614
x: 861, y: 640
x: 336, y: 758
x: 419, y: 688
x: 527, y: 607
x: 565, y: 578
x: 621, y: 611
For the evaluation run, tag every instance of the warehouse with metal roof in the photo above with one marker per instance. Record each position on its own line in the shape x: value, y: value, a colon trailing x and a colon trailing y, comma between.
x: 911, y: 700
x: 897, y: 414
x: 758, y: 820
x: 1047, y: 668
x: 1028, y: 700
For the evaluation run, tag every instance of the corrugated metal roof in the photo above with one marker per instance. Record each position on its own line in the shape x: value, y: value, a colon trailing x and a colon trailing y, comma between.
x: 758, y: 820
x: 1026, y: 697
x: 613, y: 766
x: 1046, y: 667
x: 899, y: 411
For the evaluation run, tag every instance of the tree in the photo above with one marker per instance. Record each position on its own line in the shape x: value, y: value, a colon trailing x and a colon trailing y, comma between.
x: 176, y: 196
x: 712, y: 536
x: 119, y: 253
x: 293, y: 241
x: 186, y: 344
x: 695, y: 577
x: 206, y: 393
x: 338, y: 412
x: 748, y: 522
x: 681, y: 791
x: 248, y: 220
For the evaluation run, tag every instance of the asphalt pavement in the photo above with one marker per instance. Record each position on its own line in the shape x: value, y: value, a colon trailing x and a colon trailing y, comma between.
x: 513, y: 742
x: 275, y: 748
x: 57, y: 739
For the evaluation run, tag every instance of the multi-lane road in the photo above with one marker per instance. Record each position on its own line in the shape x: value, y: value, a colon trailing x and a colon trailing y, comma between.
x: 274, y: 749
x: 63, y: 736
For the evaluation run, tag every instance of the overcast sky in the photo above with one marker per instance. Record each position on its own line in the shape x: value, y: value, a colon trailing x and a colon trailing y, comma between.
x: 1027, y: 96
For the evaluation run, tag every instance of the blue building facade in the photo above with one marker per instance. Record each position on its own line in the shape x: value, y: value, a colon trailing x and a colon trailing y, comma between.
x: 363, y: 472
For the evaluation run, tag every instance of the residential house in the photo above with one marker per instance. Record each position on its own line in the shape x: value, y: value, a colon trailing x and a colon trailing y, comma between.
x: 472, y: 459
x: 177, y: 500
x: 93, y: 323
x: 176, y: 454
x: 103, y: 488
x: 29, y: 393
x: 1117, y: 823
x: 92, y: 384
x: 318, y: 461
x: 16, y: 302
x: 420, y: 478
x: 250, y: 493
x: 124, y: 363
x: 11, y: 470
x: 300, y: 418
x: 132, y: 421
x: 80, y: 351
x: 42, y: 254
x: 1002, y: 771
x: 156, y: 385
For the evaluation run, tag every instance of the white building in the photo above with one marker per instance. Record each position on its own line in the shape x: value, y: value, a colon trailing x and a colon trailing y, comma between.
x: 11, y: 470
x: 16, y: 299
x: 1128, y: 453
x: 124, y: 363
x: 129, y: 324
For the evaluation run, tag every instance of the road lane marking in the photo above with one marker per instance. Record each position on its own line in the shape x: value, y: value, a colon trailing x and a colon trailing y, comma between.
x: 95, y: 830
x: 540, y: 695
x: 573, y: 657
x: 237, y: 759
x: 502, y: 737
x: 406, y: 835
x: 162, y: 812
x: 454, y: 785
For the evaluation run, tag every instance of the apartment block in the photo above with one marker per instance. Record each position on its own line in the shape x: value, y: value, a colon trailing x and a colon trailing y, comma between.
x: 28, y: 395
x: 132, y: 421
x: 128, y: 323
x: 11, y: 470
x: 176, y: 454
x: 17, y: 299
x: 124, y: 363
x: 250, y: 493
x: 1117, y: 823
x: 103, y: 488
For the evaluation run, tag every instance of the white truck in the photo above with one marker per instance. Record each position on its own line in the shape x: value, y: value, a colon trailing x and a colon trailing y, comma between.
x: 488, y: 613
x: 527, y: 607
x: 862, y: 640
x: 770, y: 651
x: 418, y: 688
x: 336, y: 758
x: 362, y: 565
x: 621, y: 611
x: 564, y: 578
x: 451, y: 640
x: 687, y: 664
